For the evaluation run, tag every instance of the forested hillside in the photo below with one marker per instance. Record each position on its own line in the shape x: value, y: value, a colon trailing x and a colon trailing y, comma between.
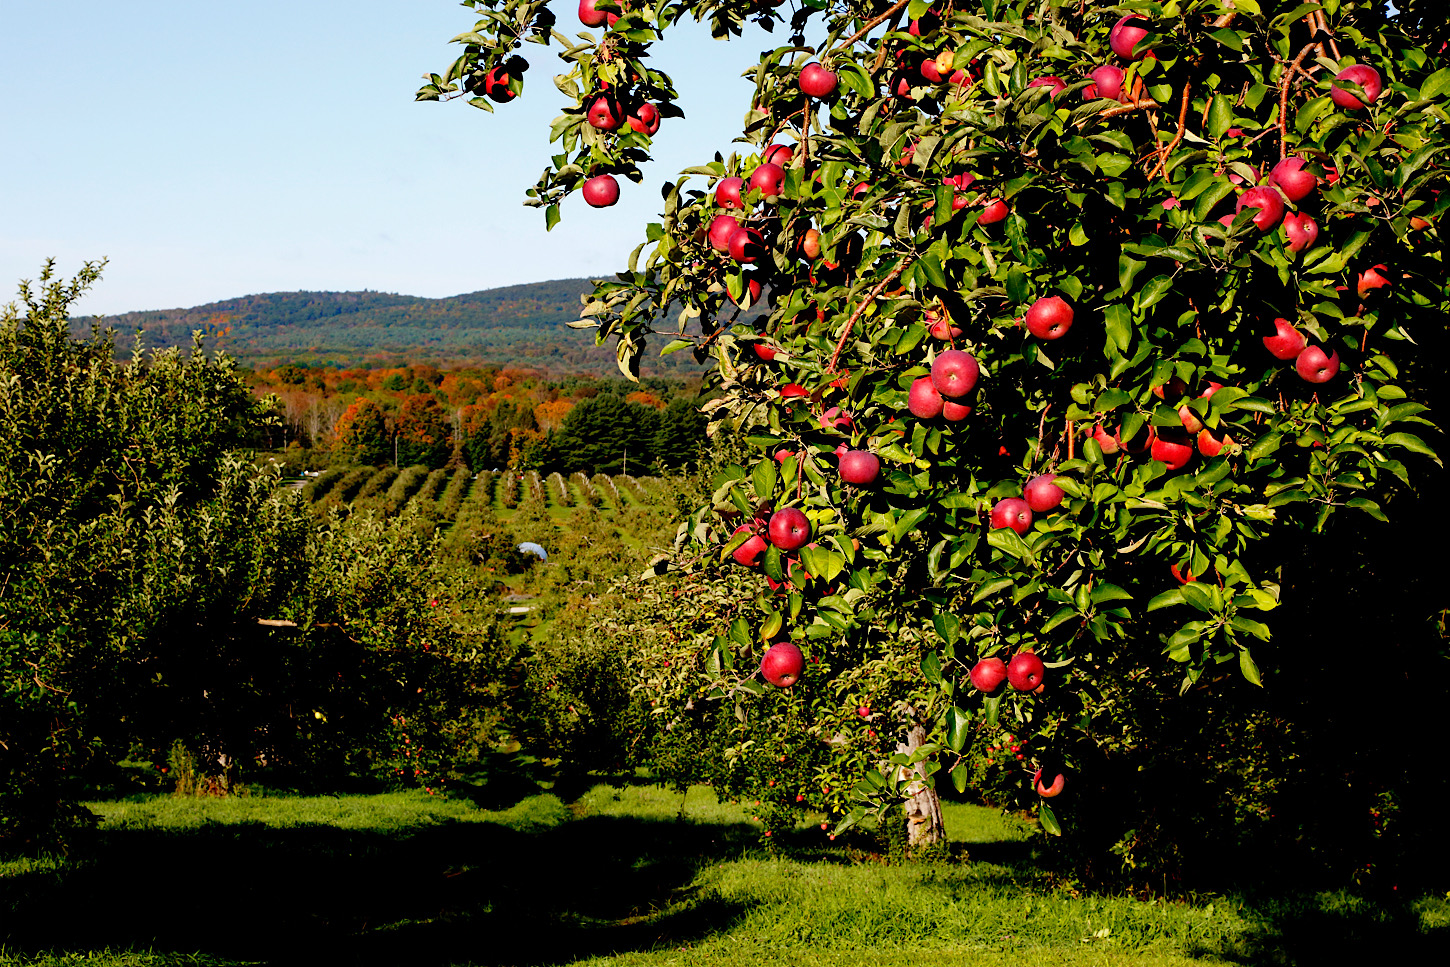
x: 520, y: 325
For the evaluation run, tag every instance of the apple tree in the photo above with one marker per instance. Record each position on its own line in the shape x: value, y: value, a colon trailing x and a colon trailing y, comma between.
x: 1078, y: 313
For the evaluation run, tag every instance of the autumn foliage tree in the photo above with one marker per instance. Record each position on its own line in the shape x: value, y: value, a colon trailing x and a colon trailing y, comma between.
x: 1078, y: 314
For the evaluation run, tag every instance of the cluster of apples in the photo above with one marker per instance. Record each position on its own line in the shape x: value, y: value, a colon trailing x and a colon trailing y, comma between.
x: 1025, y: 673
x: 1107, y: 80
x: 609, y: 111
x: 494, y: 84
x: 726, y: 234
x: 1310, y: 362
x: 788, y: 529
x: 1041, y: 495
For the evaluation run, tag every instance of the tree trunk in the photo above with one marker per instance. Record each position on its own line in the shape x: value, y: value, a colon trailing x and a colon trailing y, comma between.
x: 924, y: 824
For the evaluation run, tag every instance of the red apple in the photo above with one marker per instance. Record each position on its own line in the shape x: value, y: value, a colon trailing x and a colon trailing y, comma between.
x: 604, y: 113
x: 601, y: 191
x: 496, y: 86
x: 590, y: 17
x: 1286, y: 342
x: 1107, y: 82
x: 1049, y: 318
x: 645, y: 119
x: 1293, y: 179
x: 810, y: 244
x: 1174, y: 389
x: 923, y: 400
x: 1142, y: 443
x: 1366, y: 77
x: 1189, y: 419
x: 746, y: 245
x: 1210, y: 445
x: 1048, y: 791
x: 1042, y: 494
x: 764, y: 350
x: 859, y: 468
x: 1269, y: 204
x: 793, y: 391
x: 782, y: 664
x: 767, y: 178
x: 790, y: 530
x: 941, y: 325
x: 1057, y: 84
x: 727, y: 193
x: 989, y: 674
x: 748, y: 554
x: 778, y: 154
x: 721, y: 228
x: 1126, y: 34
x: 1315, y: 367
x: 1174, y: 449
x: 1109, y: 443
x: 1371, y: 279
x: 1025, y: 672
x: 955, y: 412
x: 836, y: 418
x: 816, y: 81
x: 954, y: 373
x: 993, y: 212
x: 1182, y: 577
x: 1012, y: 512
x: 751, y: 290
x: 1300, y: 231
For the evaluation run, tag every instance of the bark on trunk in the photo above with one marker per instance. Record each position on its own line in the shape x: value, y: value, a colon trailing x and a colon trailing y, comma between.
x: 924, y: 824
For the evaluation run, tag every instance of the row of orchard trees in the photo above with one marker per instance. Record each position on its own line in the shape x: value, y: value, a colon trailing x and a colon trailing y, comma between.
x: 1177, y: 262
x: 159, y: 587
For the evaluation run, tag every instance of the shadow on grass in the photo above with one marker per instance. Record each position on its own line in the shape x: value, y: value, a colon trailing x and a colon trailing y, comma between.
x: 455, y: 892
x: 1335, y: 929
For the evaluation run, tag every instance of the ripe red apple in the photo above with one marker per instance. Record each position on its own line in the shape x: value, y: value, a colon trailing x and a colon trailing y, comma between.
x: 1269, y: 204
x: 816, y: 81
x: 793, y: 391
x: 1286, y: 342
x: 1172, y: 448
x: 954, y: 373
x: 993, y: 212
x: 604, y: 113
x: 1300, y: 231
x: 727, y: 193
x: 810, y: 244
x: 836, y: 418
x: 1370, y: 280
x: 1057, y: 84
x: 601, y: 191
x: 721, y: 228
x: 496, y: 86
x: 1363, y: 75
x: 955, y: 412
x: 746, y: 245
x: 923, y: 400
x: 1012, y: 512
x: 1107, y: 81
x: 1109, y: 443
x: 645, y: 119
x: 1042, y: 494
x: 1171, y: 390
x: 767, y: 178
x: 859, y: 468
x: 590, y: 17
x: 1049, y: 318
x: 790, y: 530
x: 782, y: 664
x: 1182, y: 577
x: 989, y: 674
x: 764, y: 350
x: 751, y: 292
x: 1315, y: 367
x: 778, y: 154
x: 1025, y: 672
x: 1142, y: 443
x: 941, y: 326
x: 1049, y: 791
x: 748, y: 554
x: 1210, y: 445
x: 1189, y: 419
x: 1292, y: 177
x: 1125, y: 35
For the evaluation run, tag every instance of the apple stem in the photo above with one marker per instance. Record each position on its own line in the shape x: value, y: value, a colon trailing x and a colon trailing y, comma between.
x: 870, y: 298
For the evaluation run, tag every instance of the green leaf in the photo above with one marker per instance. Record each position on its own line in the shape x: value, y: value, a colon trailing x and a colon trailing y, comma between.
x: 1435, y: 85
x: 948, y: 626
x: 960, y: 775
x: 1048, y: 818
x: 931, y: 667
x: 1063, y: 614
x: 990, y: 588
x: 1412, y: 443
x: 1232, y: 40
x: 764, y: 479
x: 1195, y: 595
x: 1249, y: 669
x: 1005, y: 539
x: 958, y: 728
x: 1166, y: 599
x: 1118, y: 322
x: 1368, y: 506
x: 551, y: 217
x: 1109, y: 592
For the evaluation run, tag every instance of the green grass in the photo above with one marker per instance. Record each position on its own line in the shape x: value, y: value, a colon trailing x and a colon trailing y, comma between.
x: 622, y: 875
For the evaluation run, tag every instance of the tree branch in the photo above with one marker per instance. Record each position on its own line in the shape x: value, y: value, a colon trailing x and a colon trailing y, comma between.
x: 871, y: 24
x: 1182, y: 126
x: 1284, y: 84
x: 851, y: 323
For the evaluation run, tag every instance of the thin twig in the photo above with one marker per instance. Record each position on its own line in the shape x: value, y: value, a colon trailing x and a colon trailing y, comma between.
x: 1182, y: 126
x: 870, y: 298
x: 872, y: 24
x: 1284, y: 100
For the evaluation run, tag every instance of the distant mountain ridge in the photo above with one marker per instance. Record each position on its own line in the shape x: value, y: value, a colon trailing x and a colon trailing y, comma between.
x: 519, y: 325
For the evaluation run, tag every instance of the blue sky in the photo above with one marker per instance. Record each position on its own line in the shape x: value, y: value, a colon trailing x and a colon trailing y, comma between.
x: 216, y: 150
